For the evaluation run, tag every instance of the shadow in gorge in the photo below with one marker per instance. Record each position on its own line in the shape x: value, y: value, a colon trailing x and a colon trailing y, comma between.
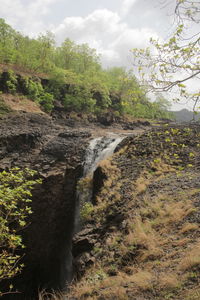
x: 48, y: 238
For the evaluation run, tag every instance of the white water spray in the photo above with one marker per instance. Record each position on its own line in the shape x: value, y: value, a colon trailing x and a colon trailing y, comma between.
x: 98, y: 150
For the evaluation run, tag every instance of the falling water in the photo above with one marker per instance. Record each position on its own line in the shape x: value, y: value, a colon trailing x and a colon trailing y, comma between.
x: 99, y: 149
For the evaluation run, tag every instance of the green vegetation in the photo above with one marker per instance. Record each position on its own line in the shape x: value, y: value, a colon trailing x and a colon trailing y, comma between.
x: 71, y: 74
x: 172, y: 63
x: 86, y: 211
x: 4, y: 109
x: 15, y: 197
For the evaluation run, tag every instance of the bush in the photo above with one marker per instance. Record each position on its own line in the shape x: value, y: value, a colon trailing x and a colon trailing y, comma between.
x: 46, y: 101
x: 35, y: 91
x: 79, y: 99
x: 11, y: 82
x: 15, y: 197
x: 86, y: 211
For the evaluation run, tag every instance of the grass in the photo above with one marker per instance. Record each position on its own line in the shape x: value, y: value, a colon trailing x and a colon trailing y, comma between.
x: 110, y: 190
x: 156, y: 248
x: 191, y: 259
x: 142, y: 280
x: 4, y: 109
x: 168, y: 281
x: 43, y: 295
x: 141, y: 184
x: 143, y: 235
x: 188, y: 227
x: 192, y: 294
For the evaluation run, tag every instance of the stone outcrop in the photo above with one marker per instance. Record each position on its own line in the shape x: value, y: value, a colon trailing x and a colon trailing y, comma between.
x: 56, y: 149
x: 57, y: 153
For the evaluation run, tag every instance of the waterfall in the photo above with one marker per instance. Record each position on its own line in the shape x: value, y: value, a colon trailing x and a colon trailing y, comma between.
x: 99, y: 149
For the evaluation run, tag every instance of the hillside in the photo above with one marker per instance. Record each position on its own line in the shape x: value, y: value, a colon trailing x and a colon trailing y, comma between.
x: 70, y: 75
x: 185, y: 115
x: 102, y: 225
x: 142, y: 235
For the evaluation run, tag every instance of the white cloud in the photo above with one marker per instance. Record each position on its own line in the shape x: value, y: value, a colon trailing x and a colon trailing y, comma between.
x: 102, y: 29
x: 127, y: 5
x: 26, y: 16
x: 105, y: 31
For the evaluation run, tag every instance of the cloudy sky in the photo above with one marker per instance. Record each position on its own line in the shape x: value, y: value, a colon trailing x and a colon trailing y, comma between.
x: 113, y: 27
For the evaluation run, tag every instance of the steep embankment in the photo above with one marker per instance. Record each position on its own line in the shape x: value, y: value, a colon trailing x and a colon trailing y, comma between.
x: 141, y: 240
x: 56, y: 149
x: 9, y: 102
x: 34, y: 141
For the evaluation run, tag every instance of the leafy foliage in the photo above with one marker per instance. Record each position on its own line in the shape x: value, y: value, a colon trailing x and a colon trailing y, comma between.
x: 73, y: 76
x: 170, y: 65
x: 15, y: 197
x: 86, y: 211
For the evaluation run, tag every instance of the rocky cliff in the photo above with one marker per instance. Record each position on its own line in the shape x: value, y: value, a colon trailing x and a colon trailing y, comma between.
x: 55, y: 147
x: 57, y: 153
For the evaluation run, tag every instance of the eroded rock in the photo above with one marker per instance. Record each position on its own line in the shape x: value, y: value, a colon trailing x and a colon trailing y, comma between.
x: 57, y: 153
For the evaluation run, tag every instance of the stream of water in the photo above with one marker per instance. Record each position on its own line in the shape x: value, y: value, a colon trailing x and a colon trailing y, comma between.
x: 99, y: 149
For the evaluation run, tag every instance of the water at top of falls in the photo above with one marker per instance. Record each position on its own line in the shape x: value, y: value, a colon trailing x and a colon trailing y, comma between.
x: 99, y: 149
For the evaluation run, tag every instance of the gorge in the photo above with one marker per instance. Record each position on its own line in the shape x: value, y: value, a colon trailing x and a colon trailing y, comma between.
x: 140, y: 236
x: 57, y: 152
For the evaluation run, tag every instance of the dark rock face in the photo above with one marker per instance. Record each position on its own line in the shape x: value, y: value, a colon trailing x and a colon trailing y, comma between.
x: 83, y: 243
x: 98, y: 181
x: 56, y: 152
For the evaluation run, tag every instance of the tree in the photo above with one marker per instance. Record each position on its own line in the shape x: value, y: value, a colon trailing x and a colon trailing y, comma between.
x: 15, y: 197
x: 126, y: 92
x: 66, y: 55
x: 6, y: 42
x: 169, y: 66
x: 44, y: 51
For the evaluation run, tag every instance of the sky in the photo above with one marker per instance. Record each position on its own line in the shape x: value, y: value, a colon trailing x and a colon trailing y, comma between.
x: 112, y: 27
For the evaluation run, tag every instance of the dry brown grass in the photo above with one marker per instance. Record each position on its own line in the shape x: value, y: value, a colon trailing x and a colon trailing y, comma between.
x: 168, y: 281
x: 113, y: 287
x: 191, y: 258
x: 90, y: 284
x: 141, y: 184
x: 43, y: 295
x: 161, y: 167
x: 181, y: 242
x: 142, y: 280
x: 164, y: 210
x: 83, y: 290
x: 143, y: 235
x: 176, y: 212
x: 193, y: 294
x: 17, y: 102
x: 158, y: 215
x: 107, y: 288
x: 149, y: 253
x: 187, y: 227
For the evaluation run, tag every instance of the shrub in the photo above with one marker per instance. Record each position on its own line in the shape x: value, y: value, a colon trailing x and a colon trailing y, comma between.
x: 15, y: 197
x: 86, y: 211
x: 11, y: 82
